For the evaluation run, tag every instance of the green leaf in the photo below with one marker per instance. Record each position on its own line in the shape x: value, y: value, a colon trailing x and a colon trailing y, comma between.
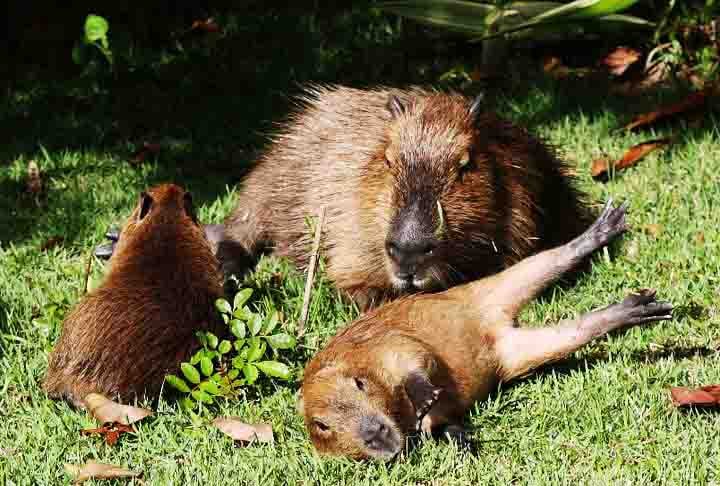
x: 187, y: 404
x: 191, y: 373
x: 225, y: 318
x: 234, y: 373
x: 271, y: 322
x: 238, y: 362
x: 201, y: 337
x: 223, y: 306
x: 237, y: 328
x: 206, y: 366
x: 224, y: 347
x: 177, y: 383
x: 274, y: 369
x: 197, y: 357
x: 217, y: 378
x: 202, y: 396
x: 210, y: 387
x: 244, y: 313
x: 460, y: 16
x: 212, y: 340
x: 238, y: 344
x: 79, y: 54
x: 241, y: 297
x: 96, y: 28
x: 281, y: 341
x: 251, y: 373
x: 256, y: 349
x: 255, y: 324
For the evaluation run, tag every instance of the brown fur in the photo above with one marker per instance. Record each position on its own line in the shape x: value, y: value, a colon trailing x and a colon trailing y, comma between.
x: 122, y: 338
x: 344, y: 149
x: 461, y: 343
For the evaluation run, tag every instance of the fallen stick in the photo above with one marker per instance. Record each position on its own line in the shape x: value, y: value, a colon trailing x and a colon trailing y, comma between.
x: 311, y: 273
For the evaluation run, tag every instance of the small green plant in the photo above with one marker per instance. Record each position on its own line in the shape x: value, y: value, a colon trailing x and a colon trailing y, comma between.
x: 96, y: 37
x: 222, y: 368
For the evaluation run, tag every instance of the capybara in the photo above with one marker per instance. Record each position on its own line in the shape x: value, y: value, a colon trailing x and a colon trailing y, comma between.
x: 121, y: 339
x: 420, y: 362
x: 422, y: 189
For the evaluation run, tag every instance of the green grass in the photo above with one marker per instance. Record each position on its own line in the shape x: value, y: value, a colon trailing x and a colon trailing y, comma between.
x: 601, y: 417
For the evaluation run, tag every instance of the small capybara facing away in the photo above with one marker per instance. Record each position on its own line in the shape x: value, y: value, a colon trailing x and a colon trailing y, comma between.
x: 122, y: 338
x: 418, y: 363
x: 423, y: 190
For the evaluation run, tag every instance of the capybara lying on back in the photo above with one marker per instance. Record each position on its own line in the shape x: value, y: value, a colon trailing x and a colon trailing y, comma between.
x: 422, y: 190
x: 420, y: 362
x: 122, y: 338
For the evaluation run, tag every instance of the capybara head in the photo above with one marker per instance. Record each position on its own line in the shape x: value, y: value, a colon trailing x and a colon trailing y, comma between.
x: 162, y: 205
x: 440, y: 192
x: 351, y: 414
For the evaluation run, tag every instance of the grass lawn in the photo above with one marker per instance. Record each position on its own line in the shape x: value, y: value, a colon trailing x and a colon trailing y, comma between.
x: 602, y: 417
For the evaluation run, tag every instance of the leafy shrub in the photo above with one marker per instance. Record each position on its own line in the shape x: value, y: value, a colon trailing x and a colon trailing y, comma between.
x: 223, y: 368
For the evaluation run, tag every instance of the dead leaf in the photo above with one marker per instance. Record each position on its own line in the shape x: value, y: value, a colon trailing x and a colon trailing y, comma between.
x: 653, y: 229
x: 691, y: 103
x: 147, y: 149
x: 97, y: 470
x: 703, y: 396
x: 243, y: 432
x: 619, y: 60
x: 601, y: 167
x: 554, y: 68
x: 107, y: 411
x: 209, y: 25
x: 34, y: 183
x: 700, y: 238
x: 4, y: 452
x: 51, y: 243
x: 647, y: 78
x: 111, y: 432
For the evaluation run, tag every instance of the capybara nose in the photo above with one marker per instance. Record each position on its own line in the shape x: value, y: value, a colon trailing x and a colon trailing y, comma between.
x: 409, y: 254
x: 374, y: 431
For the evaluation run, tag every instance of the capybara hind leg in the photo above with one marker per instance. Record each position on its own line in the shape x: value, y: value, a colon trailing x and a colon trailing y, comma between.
x: 511, y: 289
x: 521, y: 350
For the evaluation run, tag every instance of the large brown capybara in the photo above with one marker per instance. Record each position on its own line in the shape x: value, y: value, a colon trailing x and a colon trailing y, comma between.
x: 121, y: 339
x: 423, y: 190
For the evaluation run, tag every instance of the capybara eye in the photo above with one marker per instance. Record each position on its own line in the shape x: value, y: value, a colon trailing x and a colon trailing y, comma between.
x: 321, y: 425
x: 359, y: 383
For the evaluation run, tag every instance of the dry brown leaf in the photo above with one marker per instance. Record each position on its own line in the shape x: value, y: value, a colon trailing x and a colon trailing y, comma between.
x: 111, y: 432
x: 51, y: 243
x: 653, y: 229
x: 34, y: 182
x: 601, y: 167
x: 208, y: 25
x: 619, y: 60
x: 700, y: 238
x: 243, y: 432
x: 147, y: 149
x: 554, y: 68
x: 703, y: 396
x: 107, y: 411
x: 98, y: 470
x: 691, y: 103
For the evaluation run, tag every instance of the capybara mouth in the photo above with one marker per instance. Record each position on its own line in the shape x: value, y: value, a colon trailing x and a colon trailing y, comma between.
x: 411, y: 283
x: 381, y: 438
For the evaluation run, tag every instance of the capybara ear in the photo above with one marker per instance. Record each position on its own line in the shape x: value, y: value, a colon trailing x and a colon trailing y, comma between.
x: 395, y: 106
x: 146, y: 202
x: 189, y: 206
x: 476, y: 105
